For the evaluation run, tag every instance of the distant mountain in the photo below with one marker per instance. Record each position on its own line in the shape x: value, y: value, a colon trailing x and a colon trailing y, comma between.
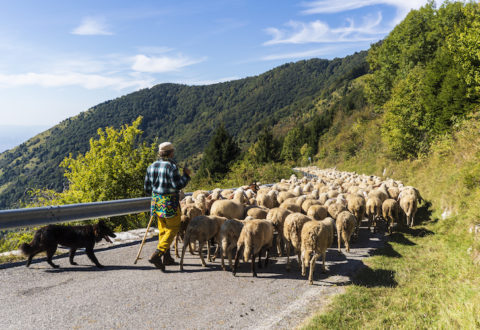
x: 185, y: 115
x: 12, y: 135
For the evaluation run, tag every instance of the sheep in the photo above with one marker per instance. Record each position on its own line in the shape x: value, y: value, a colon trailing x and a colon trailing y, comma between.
x: 277, y: 217
x: 317, y: 212
x: 393, y: 192
x: 232, y: 209
x: 380, y: 193
x: 198, y: 192
x: 346, y: 224
x: 257, y: 212
x: 357, y: 206
x: 335, y: 208
x: 291, y: 207
x: 373, y: 210
x: 255, y: 236
x: 201, y: 203
x: 323, y: 197
x: 229, y: 234
x: 408, y: 203
x: 317, y: 237
x: 390, y: 213
x: 188, y: 213
x: 202, y: 228
x: 283, y: 195
x: 268, y: 200
x: 307, y: 203
x: 292, y: 232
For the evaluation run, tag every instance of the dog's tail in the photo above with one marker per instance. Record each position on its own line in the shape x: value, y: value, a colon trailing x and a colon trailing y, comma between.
x: 27, y: 249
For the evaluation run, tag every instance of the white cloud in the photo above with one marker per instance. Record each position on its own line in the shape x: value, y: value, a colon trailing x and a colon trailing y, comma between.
x: 92, y: 26
x: 330, y: 7
x: 320, y: 32
x: 208, y: 82
x: 143, y: 63
x: 87, y: 81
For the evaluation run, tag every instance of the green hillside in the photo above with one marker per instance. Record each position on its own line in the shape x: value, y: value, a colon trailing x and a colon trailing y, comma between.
x: 185, y: 115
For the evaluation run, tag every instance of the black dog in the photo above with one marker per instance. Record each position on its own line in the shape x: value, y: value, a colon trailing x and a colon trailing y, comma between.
x: 47, y: 238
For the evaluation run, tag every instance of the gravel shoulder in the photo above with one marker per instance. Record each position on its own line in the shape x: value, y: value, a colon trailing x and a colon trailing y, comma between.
x: 124, y: 295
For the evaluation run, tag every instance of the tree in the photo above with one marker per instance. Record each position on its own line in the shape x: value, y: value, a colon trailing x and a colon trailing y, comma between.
x: 113, y: 168
x: 265, y: 149
x: 219, y: 155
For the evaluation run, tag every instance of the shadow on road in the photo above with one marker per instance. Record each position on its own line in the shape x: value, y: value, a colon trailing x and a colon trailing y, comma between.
x: 93, y: 268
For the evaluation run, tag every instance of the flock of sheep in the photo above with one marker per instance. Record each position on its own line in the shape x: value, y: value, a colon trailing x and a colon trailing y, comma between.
x: 304, y: 214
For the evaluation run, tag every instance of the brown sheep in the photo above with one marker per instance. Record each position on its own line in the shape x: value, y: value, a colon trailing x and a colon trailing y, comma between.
x: 317, y: 237
x: 255, y: 236
x: 346, y: 224
x: 292, y: 232
x: 202, y: 229
x: 390, y: 213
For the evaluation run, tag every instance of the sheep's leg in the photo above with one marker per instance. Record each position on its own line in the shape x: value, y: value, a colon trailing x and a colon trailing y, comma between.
x: 217, y: 249
x: 191, y: 248
x: 346, y: 240
x: 200, y: 248
x: 260, y: 258
x: 186, y: 242
x: 299, y: 258
x: 254, y: 272
x: 237, y: 259
x: 304, y: 256
x: 267, y: 255
x: 209, y: 256
x: 312, y: 267
x: 288, y: 254
x: 339, y: 239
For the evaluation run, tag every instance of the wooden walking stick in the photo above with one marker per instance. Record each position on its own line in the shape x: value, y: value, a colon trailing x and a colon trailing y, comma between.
x: 143, y: 240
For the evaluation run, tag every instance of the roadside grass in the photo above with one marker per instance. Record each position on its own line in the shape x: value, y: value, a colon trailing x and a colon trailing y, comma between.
x: 423, y: 278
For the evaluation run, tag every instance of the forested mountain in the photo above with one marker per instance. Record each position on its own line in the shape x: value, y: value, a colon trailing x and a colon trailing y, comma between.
x: 185, y: 115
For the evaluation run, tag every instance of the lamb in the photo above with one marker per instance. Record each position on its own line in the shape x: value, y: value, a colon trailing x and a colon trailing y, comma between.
x: 202, y: 228
x: 277, y: 217
x: 291, y: 207
x: 374, y: 211
x: 283, y: 195
x: 309, y: 202
x: 346, y: 224
x: 292, y: 232
x: 268, y: 200
x: 317, y: 237
x: 390, y: 213
x: 229, y: 234
x: 255, y: 236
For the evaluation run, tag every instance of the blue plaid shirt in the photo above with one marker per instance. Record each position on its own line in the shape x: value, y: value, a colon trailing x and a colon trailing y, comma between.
x: 163, y: 177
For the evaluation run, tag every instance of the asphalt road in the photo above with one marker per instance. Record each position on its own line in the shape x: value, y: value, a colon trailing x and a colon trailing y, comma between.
x: 128, y: 296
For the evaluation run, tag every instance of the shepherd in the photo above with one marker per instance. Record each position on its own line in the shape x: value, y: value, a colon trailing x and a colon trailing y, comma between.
x: 164, y: 182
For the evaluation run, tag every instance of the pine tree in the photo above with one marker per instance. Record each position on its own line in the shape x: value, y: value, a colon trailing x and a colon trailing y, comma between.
x: 220, y: 153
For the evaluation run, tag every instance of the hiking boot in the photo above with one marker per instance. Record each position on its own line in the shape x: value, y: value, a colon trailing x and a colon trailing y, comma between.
x: 168, y: 260
x: 156, y: 259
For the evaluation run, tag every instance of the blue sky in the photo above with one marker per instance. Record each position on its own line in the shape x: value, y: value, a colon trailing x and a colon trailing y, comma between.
x: 60, y: 58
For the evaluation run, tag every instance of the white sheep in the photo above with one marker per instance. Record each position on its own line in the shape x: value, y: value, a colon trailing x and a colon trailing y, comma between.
x: 346, y: 224
x: 229, y: 234
x: 292, y: 232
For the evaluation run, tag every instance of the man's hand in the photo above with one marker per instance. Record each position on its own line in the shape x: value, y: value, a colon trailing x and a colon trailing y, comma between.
x: 187, y: 171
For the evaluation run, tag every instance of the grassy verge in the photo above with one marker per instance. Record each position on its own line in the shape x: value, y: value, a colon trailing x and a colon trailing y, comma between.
x: 420, y: 279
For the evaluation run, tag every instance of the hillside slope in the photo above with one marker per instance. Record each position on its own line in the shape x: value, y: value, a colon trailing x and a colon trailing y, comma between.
x: 185, y: 115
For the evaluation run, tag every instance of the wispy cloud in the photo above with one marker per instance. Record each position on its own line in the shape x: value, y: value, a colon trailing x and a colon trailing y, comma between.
x: 92, y: 26
x: 330, y: 7
x: 161, y: 64
x: 320, y: 32
x: 208, y: 82
x: 88, y: 81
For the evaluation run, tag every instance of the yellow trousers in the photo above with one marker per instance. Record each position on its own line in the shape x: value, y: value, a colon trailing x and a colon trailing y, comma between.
x: 167, y: 230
